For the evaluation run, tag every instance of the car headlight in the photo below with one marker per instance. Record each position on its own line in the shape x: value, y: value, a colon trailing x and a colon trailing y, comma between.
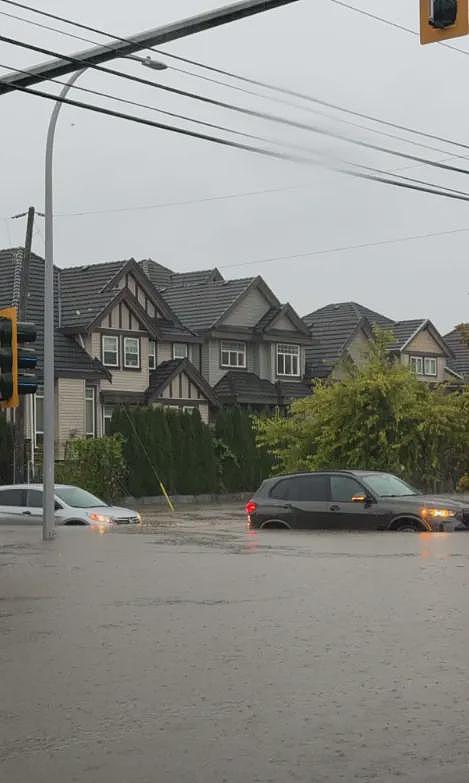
x: 139, y: 518
x: 100, y: 518
x: 438, y: 513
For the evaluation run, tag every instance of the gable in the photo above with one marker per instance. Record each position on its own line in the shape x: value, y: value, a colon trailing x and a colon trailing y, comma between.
x: 248, y: 310
x: 121, y: 316
x: 359, y: 347
x: 284, y: 323
x: 129, y: 281
x: 424, y: 342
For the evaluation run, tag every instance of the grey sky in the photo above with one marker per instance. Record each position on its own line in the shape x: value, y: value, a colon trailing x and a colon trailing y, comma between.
x: 312, y: 46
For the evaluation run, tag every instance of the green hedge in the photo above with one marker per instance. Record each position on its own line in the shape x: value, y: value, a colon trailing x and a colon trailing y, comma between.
x: 190, y: 457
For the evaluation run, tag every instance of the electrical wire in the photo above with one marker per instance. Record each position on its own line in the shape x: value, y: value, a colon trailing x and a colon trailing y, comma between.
x: 243, y: 110
x: 343, y: 249
x: 431, y: 189
x: 265, y: 85
x: 254, y: 93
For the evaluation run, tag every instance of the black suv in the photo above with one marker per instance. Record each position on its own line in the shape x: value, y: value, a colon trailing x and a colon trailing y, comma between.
x: 351, y: 500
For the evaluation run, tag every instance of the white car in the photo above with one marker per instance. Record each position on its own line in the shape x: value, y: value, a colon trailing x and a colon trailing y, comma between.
x: 22, y: 504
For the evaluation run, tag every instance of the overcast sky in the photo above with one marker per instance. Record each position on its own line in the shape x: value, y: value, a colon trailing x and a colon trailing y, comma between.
x: 312, y: 46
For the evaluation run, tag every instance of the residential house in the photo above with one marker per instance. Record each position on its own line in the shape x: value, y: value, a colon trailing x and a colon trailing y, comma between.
x: 117, y: 341
x: 341, y: 338
x: 253, y: 348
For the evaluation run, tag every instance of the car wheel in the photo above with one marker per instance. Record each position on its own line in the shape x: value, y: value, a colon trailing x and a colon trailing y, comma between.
x: 406, y: 527
x: 75, y: 523
x: 275, y: 524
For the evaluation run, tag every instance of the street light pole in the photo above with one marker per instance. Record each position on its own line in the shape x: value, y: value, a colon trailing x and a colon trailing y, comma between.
x: 48, y: 523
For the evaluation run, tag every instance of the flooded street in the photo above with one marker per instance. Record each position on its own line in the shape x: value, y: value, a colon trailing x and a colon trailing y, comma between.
x: 195, y: 651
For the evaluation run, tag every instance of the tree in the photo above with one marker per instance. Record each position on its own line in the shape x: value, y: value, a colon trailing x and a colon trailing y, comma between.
x: 381, y: 417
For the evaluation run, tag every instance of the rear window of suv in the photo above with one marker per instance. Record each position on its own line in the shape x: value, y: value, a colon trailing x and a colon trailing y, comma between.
x: 303, y: 488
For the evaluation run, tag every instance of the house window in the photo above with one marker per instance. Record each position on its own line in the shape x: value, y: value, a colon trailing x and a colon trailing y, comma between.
x: 288, y: 360
x: 90, y: 411
x: 233, y: 355
x: 179, y: 351
x: 152, y: 355
x: 108, y: 410
x: 188, y: 409
x: 430, y: 367
x: 132, y: 353
x: 39, y: 416
x: 416, y: 365
x: 110, y: 351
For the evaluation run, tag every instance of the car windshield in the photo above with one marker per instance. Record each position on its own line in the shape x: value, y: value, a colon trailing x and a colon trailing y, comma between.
x: 387, y: 486
x: 78, y: 498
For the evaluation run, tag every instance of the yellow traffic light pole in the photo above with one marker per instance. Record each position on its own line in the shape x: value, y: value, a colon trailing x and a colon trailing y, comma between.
x: 10, y: 316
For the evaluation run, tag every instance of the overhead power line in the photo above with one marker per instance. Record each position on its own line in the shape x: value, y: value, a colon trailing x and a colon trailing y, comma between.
x: 265, y: 85
x: 254, y: 93
x: 241, y: 109
x: 430, y: 189
x: 346, y: 248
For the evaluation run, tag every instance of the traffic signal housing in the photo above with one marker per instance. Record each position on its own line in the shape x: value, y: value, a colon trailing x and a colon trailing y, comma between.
x: 443, y: 19
x: 14, y: 358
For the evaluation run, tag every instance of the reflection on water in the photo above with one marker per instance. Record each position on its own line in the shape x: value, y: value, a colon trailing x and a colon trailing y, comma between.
x: 251, y: 542
x: 101, y: 529
x: 433, y: 545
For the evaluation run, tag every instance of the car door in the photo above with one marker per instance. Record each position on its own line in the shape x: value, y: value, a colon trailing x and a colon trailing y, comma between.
x: 304, y: 500
x: 34, y: 505
x: 13, y: 506
x: 347, y: 514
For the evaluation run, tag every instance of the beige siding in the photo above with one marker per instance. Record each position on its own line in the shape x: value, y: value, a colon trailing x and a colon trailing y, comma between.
x: 265, y: 361
x: 70, y: 410
x: 283, y: 322
x: 127, y: 380
x: 164, y: 352
x: 424, y: 343
x: 359, y: 348
x: 249, y: 309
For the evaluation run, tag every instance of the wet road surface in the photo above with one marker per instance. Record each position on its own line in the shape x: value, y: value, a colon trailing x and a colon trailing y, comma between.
x: 193, y: 651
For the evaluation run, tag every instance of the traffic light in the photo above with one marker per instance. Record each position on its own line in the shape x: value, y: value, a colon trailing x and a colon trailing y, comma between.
x: 14, y: 358
x: 443, y: 19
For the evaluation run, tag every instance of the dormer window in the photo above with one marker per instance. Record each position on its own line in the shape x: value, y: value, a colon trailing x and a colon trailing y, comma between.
x: 131, y: 353
x: 110, y: 350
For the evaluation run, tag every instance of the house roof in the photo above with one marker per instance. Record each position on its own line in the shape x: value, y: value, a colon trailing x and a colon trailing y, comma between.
x: 166, y: 371
x: 460, y: 349
x: 405, y: 331
x: 346, y: 313
x: 162, y: 277
x: 247, y: 388
x: 69, y: 357
x: 201, y: 306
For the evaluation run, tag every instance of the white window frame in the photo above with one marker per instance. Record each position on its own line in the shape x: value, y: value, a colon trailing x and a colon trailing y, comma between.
x: 180, y: 351
x: 188, y: 408
x: 106, y: 417
x: 233, y: 354
x: 116, y: 351
x: 38, y: 396
x: 90, y: 396
x: 416, y: 364
x: 137, y: 354
x: 434, y: 363
x: 152, y: 355
x: 285, y: 352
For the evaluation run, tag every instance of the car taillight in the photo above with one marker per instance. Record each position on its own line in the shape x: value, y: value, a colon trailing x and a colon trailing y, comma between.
x: 251, y: 507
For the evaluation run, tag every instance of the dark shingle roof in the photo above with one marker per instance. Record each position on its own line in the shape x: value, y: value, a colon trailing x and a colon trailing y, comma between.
x: 459, y: 346
x: 69, y: 356
x: 294, y: 390
x: 403, y: 331
x: 331, y: 329
x: 246, y: 388
x: 162, y: 277
x: 199, y: 307
x: 85, y: 292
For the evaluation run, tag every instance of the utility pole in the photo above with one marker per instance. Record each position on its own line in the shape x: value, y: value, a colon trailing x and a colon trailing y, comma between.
x: 20, y: 417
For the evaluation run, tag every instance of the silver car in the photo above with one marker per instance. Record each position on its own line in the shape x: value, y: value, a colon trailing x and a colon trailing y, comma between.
x: 22, y: 504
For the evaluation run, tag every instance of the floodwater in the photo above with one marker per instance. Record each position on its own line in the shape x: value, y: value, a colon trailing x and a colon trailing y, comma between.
x: 195, y: 651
